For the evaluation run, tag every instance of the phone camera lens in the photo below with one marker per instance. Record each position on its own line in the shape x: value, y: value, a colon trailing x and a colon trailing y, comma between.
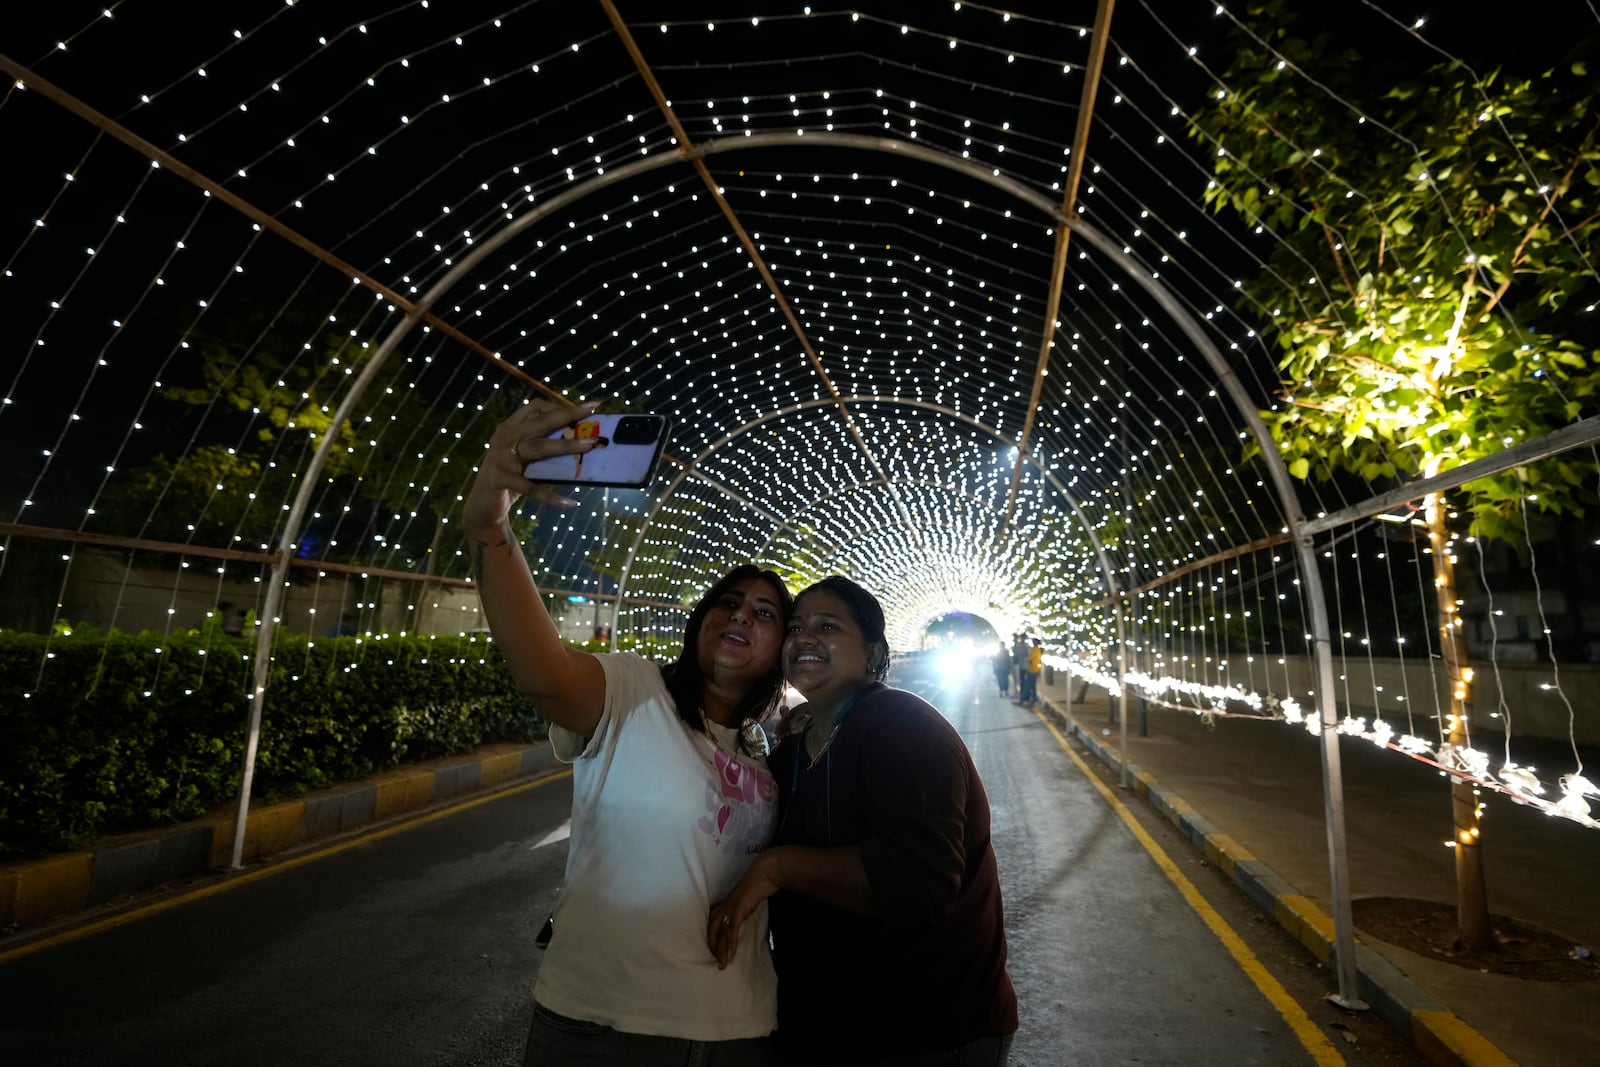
x: 636, y: 430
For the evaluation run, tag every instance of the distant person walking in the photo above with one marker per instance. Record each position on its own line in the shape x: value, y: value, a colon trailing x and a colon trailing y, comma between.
x: 1019, y: 660
x: 1002, y: 669
x: 1030, y: 673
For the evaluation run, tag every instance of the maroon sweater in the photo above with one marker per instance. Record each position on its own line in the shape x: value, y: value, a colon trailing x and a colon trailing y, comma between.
x: 928, y: 971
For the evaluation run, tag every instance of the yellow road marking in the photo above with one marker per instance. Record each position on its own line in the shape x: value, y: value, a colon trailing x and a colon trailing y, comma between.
x: 1461, y: 1040
x: 1314, y: 1040
x: 262, y: 872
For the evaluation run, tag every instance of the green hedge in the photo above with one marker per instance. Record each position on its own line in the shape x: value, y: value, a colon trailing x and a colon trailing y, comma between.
x: 107, y: 732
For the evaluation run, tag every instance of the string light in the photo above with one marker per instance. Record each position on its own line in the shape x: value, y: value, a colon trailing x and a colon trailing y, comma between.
x: 922, y: 293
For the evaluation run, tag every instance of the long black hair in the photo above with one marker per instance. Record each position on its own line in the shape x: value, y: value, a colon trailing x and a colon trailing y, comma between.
x: 867, y: 612
x: 684, y: 677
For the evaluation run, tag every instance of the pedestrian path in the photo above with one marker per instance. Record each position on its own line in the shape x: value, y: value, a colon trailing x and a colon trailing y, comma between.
x: 1258, y: 785
x: 1115, y: 956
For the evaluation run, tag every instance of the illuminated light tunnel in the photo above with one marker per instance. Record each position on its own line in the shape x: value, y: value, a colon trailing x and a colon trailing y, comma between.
x: 940, y: 299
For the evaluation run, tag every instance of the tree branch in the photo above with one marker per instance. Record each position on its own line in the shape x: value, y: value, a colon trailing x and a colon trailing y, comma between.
x: 1376, y: 364
x: 1582, y: 223
x: 1533, y: 228
x: 1289, y: 398
x: 1338, y: 259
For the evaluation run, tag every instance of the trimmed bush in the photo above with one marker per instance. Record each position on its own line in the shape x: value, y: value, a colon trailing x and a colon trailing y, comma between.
x: 108, y: 732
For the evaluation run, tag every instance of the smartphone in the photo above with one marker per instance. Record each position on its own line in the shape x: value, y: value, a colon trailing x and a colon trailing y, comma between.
x: 627, y: 456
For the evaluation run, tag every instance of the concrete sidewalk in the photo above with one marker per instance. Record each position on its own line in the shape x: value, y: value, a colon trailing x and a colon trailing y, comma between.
x: 1248, y: 793
x: 60, y: 886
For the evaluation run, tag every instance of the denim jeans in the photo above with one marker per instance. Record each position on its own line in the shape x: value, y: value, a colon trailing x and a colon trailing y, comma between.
x: 557, y: 1041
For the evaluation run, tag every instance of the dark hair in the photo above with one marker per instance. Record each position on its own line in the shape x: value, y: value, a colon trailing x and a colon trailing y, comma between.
x: 684, y: 677
x: 866, y: 611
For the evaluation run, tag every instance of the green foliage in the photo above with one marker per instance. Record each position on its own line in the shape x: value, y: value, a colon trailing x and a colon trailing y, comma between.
x: 207, y: 496
x: 124, y: 731
x: 651, y: 648
x: 1435, y: 242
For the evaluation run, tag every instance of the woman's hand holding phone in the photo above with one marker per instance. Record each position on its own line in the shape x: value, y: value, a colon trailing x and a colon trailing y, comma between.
x: 568, y: 685
x: 519, y: 440
x: 628, y: 449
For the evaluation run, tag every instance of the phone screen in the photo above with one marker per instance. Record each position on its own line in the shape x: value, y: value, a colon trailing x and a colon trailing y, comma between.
x: 627, y: 455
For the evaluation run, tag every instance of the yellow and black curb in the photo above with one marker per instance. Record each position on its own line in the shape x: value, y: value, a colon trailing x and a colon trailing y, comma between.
x: 35, y: 891
x: 1439, y: 1034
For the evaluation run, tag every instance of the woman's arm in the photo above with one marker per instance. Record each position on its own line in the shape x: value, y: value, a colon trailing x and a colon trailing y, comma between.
x: 566, y: 685
x: 834, y: 875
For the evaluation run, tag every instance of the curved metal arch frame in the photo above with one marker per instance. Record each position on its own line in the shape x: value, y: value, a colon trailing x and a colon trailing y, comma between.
x: 302, y: 498
x: 1316, y: 594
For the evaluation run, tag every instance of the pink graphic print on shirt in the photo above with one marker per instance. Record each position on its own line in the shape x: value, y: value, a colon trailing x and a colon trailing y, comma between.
x: 736, y: 805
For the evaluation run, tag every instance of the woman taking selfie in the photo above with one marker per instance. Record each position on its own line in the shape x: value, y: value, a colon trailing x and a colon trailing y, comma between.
x: 671, y: 796
x: 887, y: 925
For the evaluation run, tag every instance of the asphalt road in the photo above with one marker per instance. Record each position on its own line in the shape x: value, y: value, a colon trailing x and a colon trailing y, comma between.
x: 415, y: 946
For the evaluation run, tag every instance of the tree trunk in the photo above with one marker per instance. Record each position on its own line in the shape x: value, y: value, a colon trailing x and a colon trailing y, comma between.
x: 1472, y: 893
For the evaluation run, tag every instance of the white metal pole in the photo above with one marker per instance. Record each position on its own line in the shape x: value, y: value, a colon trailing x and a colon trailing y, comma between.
x: 1122, y: 692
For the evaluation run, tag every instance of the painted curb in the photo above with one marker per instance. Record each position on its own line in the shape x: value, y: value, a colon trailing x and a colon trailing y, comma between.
x: 1438, y: 1033
x: 38, y: 890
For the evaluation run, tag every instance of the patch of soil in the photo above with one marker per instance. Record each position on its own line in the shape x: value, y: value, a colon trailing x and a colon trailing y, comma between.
x: 1521, y: 949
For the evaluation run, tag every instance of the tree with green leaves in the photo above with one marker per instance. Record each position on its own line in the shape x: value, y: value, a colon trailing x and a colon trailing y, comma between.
x: 1436, y: 238
x: 288, y: 376
x: 210, y: 495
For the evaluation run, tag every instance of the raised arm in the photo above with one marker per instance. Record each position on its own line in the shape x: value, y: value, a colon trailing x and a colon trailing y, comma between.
x: 566, y: 685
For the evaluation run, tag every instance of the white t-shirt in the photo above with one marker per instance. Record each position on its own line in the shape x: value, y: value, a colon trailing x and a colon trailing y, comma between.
x: 664, y: 824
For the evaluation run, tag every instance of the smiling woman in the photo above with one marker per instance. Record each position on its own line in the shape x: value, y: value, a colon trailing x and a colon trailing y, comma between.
x: 829, y: 653
x: 887, y: 923
x: 671, y: 795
